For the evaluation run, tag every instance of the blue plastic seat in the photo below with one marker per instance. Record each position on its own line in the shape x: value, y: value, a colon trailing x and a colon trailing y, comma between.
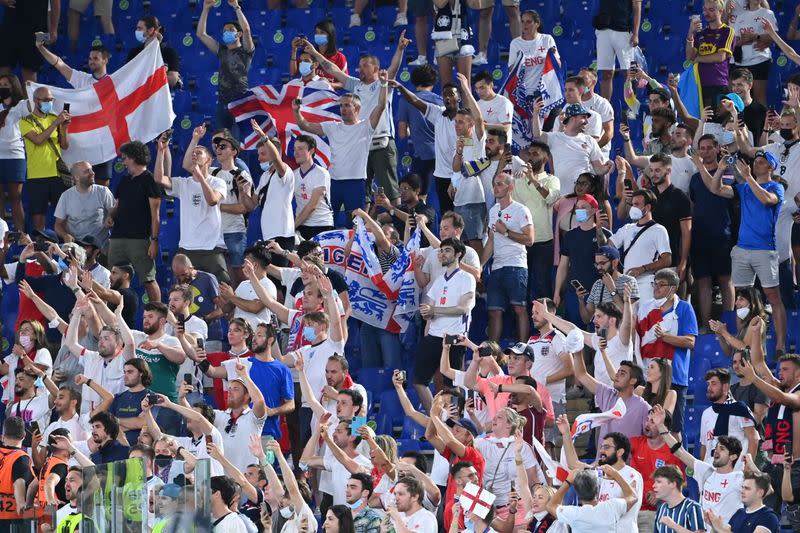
x: 412, y: 430
x: 375, y: 379
x: 385, y: 425
x: 408, y: 445
x: 390, y: 405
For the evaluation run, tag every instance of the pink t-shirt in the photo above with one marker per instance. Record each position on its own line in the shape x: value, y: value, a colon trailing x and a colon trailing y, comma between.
x: 496, y: 402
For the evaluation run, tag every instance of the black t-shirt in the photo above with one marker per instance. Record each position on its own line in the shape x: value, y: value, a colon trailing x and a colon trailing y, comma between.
x: 671, y: 207
x: 580, y: 246
x: 133, y: 216
x: 128, y: 404
x: 748, y: 394
x: 616, y: 15
x: 61, y: 488
x: 754, y: 116
x: 169, y: 54
x: 22, y: 467
x: 420, y: 209
x: 337, y: 282
x: 30, y: 14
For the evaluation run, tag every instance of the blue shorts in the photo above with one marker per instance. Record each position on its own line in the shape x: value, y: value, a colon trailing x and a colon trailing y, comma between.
x: 13, y: 170
x: 475, y: 219
x: 506, y: 286
x: 236, y: 244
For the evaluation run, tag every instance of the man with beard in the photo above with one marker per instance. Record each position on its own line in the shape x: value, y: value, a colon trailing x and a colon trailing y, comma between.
x: 720, y: 485
x: 104, y: 365
x: 660, y: 141
x: 672, y: 210
x: 337, y: 377
x: 648, y: 453
x: 120, y: 292
x: 745, y: 391
x: 31, y: 407
x: 712, y: 229
x: 538, y: 191
x: 683, y: 168
x: 239, y: 421
x: 574, y: 151
x: 206, y: 302
x: 82, y: 209
x: 105, y: 430
x: 408, y: 509
x: 126, y: 406
x: 189, y: 329
x: 69, y: 518
x: 725, y: 416
x: 610, y: 287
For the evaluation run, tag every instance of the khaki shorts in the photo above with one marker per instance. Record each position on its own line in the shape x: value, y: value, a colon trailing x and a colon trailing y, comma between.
x: 133, y: 251
x: 212, y: 261
x: 102, y: 8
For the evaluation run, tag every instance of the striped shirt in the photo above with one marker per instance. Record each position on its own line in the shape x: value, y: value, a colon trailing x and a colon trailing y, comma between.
x: 687, y: 514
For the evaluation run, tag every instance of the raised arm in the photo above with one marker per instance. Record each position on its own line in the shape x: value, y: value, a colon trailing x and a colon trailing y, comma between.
x: 350, y: 464
x: 790, y: 52
x: 247, y: 35
x: 234, y: 473
x: 405, y: 402
x: 55, y: 61
x: 202, y: 24
x: 305, y: 387
x: 765, y: 197
x: 612, y: 473
x: 536, y: 121
x: 397, y: 58
x: 311, y: 127
x: 573, y: 461
x: 471, y: 104
x: 280, y: 310
x: 377, y: 111
x: 412, y: 98
x: 160, y: 174
x: 681, y: 453
x: 326, y: 64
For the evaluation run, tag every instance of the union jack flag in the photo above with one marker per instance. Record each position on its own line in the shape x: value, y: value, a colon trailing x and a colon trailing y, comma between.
x: 272, y: 109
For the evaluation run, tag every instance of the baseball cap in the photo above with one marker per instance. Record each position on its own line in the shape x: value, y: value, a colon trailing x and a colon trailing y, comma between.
x: 769, y: 156
x: 88, y: 240
x: 575, y: 110
x: 171, y: 490
x: 467, y: 424
x: 226, y: 135
x: 521, y: 348
x: 733, y: 97
x: 609, y: 251
x: 47, y: 234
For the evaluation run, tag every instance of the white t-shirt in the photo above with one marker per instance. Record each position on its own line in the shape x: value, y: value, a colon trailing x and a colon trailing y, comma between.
x: 720, y: 493
x: 304, y: 185
x: 682, y: 171
x: 349, y: 148
x: 446, y: 291
x: 434, y: 268
x: 610, y: 490
x: 198, y: 449
x: 604, y: 517
x: 36, y: 409
x: 750, y: 21
x: 11, y: 143
x: 230, y: 523
x: 648, y: 248
x: 548, y: 349
x: 788, y: 169
x: 293, y: 525
x: 369, y: 94
x: 277, y: 219
x: 42, y: 357
x: 77, y: 427
x: 572, y: 156
x: 488, y: 175
x: 422, y: 521
x: 101, y: 275
x: 245, y: 292
x: 231, y: 223
x: 498, y: 110
x: 80, y: 79
x: 445, y: 137
x: 736, y: 427
x: 616, y: 351
x: 534, y: 53
x: 340, y: 475
x: 315, y: 359
x: 508, y: 253
x: 110, y: 376
x: 196, y: 327
x: 594, y: 127
x: 469, y: 190
x: 236, y: 440
x: 201, y: 223
x: 501, y: 469
x: 605, y: 111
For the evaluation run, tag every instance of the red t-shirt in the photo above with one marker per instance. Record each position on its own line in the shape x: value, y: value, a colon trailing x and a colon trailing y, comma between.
x: 220, y: 390
x: 645, y: 460
x: 338, y: 59
x: 27, y: 309
x: 472, y: 455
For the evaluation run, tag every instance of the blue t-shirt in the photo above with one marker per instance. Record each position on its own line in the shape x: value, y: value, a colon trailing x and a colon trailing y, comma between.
x: 711, y: 220
x: 421, y: 130
x: 744, y: 522
x: 128, y: 404
x: 274, y: 380
x: 757, y: 230
x: 205, y: 288
x: 687, y: 325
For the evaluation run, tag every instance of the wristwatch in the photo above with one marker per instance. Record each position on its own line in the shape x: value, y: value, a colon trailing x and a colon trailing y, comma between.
x: 612, y: 293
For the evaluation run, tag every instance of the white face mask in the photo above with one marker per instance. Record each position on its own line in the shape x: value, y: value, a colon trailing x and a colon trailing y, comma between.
x: 635, y: 213
x: 742, y: 312
x: 287, y: 512
x: 659, y: 301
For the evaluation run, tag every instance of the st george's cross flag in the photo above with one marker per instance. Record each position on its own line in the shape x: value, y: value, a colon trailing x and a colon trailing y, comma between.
x: 585, y: 422
x: 132, y: 104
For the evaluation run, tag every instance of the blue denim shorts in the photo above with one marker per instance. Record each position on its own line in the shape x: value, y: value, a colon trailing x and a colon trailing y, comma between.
x: 475, y: 219
x: 13, y: 170
x: 236, y: 244
x: 506, y: 286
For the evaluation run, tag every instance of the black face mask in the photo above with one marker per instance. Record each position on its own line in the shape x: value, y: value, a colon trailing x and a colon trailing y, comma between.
x: 787, y: 134
x: 5, y: 92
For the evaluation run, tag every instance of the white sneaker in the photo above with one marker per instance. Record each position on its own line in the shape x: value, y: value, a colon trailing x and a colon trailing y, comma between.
x: 419, y: 61
x: 355, y: 20
x: 401, y: 20
x: 479, y: 59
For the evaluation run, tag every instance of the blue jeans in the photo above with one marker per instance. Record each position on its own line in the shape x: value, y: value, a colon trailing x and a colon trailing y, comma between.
x: 347, y: 193
x: 379, y: 348
x: 236, y: 243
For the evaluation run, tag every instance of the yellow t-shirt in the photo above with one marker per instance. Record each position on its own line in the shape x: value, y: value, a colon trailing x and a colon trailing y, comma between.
x: 41, y: 158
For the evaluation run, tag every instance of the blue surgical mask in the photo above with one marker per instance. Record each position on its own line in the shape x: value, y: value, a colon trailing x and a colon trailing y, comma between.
x: 265, y: 166
x: 46, y: 107
x: 305, y: 68
x: 309, y: 334
x: 39, y: 383
x: 139, y: 36
x: 585, y: 90
x: 356, y: 504
x: 581, y: 215
x: 229, y: 37
x: 320, y: 39
x: 468, y: 525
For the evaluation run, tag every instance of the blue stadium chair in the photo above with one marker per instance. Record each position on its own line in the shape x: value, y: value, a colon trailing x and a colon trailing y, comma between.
x: 375, y: 379
x: 707, y: 347
x: 390, y: 405
x: 793, y: 330
x: 412, y: 430
x: 408, y: 445
x: 385, y: 425
x: 303, y: 20
x: 691, y: 424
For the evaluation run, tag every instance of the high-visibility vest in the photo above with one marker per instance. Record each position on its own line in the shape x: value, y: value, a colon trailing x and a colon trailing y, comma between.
x: 49, y: 464
x: 8, y: 504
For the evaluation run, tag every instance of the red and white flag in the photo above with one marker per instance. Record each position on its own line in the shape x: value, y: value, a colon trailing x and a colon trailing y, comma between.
x: 585, y: 422
x: 476, y: 500
x: 133, y: 103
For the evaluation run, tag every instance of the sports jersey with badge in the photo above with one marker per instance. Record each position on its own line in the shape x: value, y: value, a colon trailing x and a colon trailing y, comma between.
x: 509, y: 253
x: 446, y: 291
x: 610, y: 489
x: 720, y: 493
x: 548, y: 349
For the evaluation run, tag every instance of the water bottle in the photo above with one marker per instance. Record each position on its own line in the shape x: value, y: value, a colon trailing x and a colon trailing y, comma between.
x: 270, y: 455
